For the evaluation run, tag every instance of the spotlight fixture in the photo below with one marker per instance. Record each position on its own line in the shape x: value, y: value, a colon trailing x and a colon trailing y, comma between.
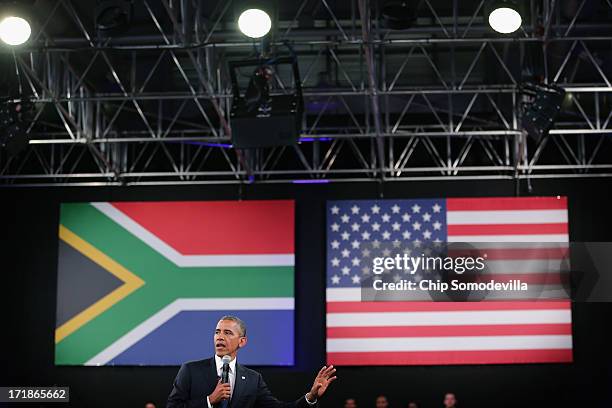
x: 399, y: 14
x: 13, y: 125
x: 254, y: 23
x: 255, y: 16
x: 504, y: 16
x: 113, y: 16
x: 14, y: 25
x: 540, y: 106
x: 14, y: 30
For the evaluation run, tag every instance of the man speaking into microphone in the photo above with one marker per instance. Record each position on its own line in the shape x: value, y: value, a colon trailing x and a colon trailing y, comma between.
x: 220, y: 382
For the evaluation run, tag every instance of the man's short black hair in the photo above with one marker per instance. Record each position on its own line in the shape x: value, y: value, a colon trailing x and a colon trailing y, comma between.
x: 238, y: 321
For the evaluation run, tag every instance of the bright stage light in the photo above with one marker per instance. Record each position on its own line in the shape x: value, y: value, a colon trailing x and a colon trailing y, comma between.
x: 254, y: 23
x: 14, y: 30
x: 505, y: 20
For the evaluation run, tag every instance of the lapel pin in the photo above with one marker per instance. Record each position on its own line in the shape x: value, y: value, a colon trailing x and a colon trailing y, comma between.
x: 243, y: 377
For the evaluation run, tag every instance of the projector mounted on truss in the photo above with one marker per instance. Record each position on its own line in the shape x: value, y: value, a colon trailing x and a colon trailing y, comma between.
x: 260, y: 118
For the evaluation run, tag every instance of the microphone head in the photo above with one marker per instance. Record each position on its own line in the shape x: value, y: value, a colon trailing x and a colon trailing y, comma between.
x: 226, y: 359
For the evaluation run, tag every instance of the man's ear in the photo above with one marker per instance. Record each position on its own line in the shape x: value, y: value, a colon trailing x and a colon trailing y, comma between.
x: 242, y: 342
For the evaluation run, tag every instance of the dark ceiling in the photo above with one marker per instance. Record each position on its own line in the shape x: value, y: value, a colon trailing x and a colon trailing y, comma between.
x: 139, y: 79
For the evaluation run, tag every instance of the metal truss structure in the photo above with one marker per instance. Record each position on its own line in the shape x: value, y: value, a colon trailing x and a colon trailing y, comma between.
x: 440, y: 100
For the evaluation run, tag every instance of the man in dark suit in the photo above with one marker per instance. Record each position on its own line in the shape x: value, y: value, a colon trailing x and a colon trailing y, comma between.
x: 198, y: 384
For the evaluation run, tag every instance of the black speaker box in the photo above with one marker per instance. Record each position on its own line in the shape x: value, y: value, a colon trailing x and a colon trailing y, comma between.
x: 273, y: 124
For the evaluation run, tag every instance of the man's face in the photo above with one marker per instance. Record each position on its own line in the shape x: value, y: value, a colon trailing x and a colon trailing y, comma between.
x: 228, y: 338
x: 381, y: 402
x: 449, y: 400
x: 350, y: 403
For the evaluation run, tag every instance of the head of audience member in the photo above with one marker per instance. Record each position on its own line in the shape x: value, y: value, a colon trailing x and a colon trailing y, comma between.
x: 149, y: 404
x: 382, y: 402
x: 412, y: 404
x: 350, y: 403
x: 450, y: 400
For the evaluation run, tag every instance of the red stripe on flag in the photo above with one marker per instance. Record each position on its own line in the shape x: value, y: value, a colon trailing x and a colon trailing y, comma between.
x: 218, y: 227
x: 506, y: 203
x: 448, y: 331
x: 373, y: 307
x: 507, y: 229
x: 546, y: 278
x: 451, y: 357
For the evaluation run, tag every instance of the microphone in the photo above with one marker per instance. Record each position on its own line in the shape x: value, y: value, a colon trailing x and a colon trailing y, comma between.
x: 225, y: 370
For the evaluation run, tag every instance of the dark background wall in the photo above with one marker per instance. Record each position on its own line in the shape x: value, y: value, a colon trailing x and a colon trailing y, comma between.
x: 28, y: 231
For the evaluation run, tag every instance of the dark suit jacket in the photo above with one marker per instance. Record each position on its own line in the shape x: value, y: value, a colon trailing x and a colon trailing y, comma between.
x: 198, y: 379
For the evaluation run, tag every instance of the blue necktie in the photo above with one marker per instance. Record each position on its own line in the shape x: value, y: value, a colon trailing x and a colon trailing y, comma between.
x: 224, y: 403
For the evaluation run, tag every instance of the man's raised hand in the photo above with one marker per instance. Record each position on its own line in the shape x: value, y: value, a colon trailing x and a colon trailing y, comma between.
x: 325, y: 376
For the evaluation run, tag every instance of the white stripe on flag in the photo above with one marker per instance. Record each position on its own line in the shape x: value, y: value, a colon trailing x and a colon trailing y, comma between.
x: 509, y: 238
x: 190, y: 260
x: 459, y: 343
x: 168, y: 312
x: 343, y: 294
x: 522, y: 245
x: 506, y: 217
x: 479, y: 317
x: 549, y: 291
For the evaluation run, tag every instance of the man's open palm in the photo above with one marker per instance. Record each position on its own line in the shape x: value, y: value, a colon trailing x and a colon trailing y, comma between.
x: 322, y: 381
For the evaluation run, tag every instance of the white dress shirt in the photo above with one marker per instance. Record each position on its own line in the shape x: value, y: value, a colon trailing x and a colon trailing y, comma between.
x: 232, y: 378
x: 232, y: 374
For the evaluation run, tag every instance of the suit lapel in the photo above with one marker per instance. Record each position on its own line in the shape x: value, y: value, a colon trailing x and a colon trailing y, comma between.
x: 212, y: 376
x: 211, y: 373
x: 239, y: 384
